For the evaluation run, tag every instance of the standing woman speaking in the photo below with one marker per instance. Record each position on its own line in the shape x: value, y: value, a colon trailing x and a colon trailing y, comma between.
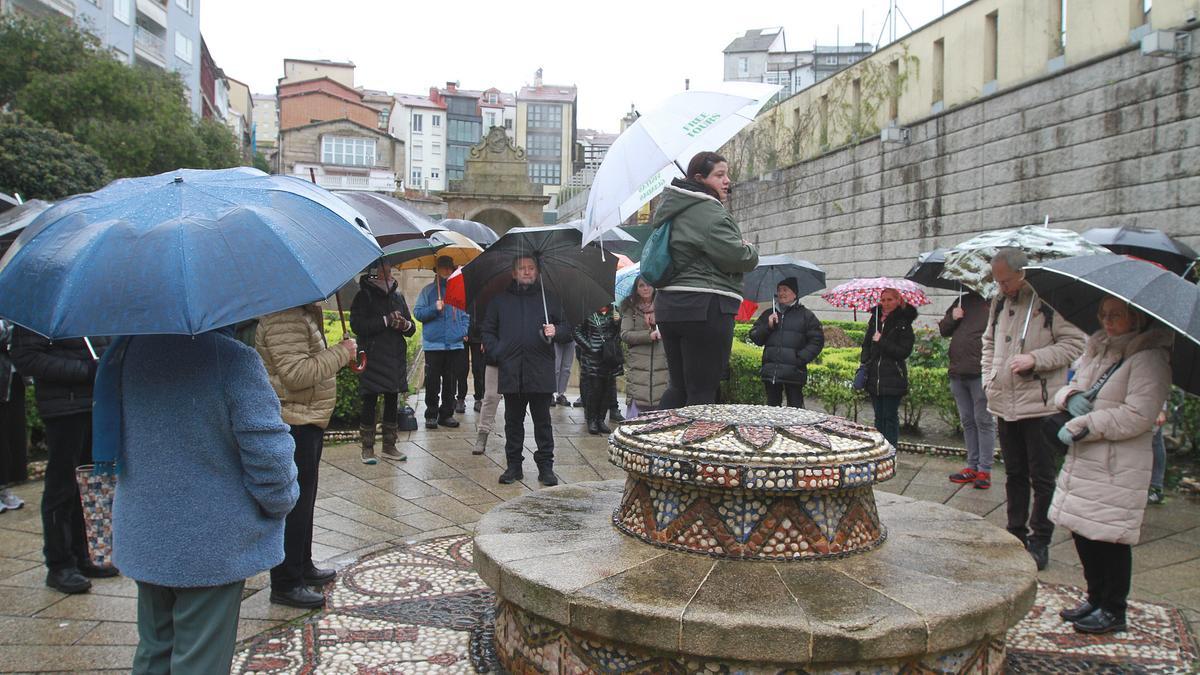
x: 695, y: 309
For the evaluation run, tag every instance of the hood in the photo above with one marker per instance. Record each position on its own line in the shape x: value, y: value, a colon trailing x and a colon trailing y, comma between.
x: 1155, y: 337
x: 907, y: 313
x: 677, y: 199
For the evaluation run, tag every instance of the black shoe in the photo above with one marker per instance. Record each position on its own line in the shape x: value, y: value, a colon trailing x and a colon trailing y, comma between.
x: 546, y: 477
x: 316, y: 576
x: 302, y: 597
x: 430, y: 424
x: 1077, y: 612
x: 614, y: 415
x: 602, y: 427
x: 1040, y: 554
x: 461, y: 406
x: 478, y: 405
x: 511, y: 475
x: 1100, y: 621
x: 562, y: 400
x: 95, y: 572
x: 68, y: 581
x: 593, y: 427
x: 448, y: 422
x: 578, y: 403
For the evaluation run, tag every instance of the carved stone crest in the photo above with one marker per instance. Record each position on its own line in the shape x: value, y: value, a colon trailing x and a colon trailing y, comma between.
x: 497, y: 142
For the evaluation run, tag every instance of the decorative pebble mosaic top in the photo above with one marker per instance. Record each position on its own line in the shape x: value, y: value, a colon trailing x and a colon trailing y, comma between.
x: 753, y: 448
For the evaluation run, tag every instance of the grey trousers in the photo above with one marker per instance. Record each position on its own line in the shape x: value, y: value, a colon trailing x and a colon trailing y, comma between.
x: 186, y: 630
x: 979, y: 427
x: 564, y: 356
x: 491, y: 399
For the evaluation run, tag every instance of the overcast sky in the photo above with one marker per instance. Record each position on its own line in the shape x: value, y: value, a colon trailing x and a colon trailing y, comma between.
x: 617, y: 53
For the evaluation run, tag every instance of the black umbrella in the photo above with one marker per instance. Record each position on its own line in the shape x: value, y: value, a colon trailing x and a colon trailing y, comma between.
x: 1147, y: 243
x: 928, y: 269
x: 477, y: 232
x: 616, y: 239
x: 580, y: 277
x: 7, y: 202
x: 1075, y: 287
x: 14, y: 221
x: 760, y: 283
x: 390, y: 219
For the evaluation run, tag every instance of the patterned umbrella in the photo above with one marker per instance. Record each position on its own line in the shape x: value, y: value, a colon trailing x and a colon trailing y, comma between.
x: 626, y: 277
x: 971, y: 261
x: 864, y: 293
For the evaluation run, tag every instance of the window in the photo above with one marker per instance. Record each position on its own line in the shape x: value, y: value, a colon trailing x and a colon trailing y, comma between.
x: 185, y: 5
x: 467, y: 107
x: 384, y: 115
x: 492, y: 98
x: 418, y: 151
x: 545, y: 173
x: 456, y: 155
x: 183, y: 47
x: 831, y: 60
x: 416, y: 177
x: 436, y: 120
x: 121, y: 10
x: 544, y: 116
x: 418, y: 123
x: 454, y: 174
x: 508, y: 123
x: 939, y: 69
x: 991, y: 55
x: 543, y: 145
x: 743, y: 66
x: 463, y: 131
x: 490, y: 120
x: 434, y: 174
x: 348, y: 151
x: 436, y: 149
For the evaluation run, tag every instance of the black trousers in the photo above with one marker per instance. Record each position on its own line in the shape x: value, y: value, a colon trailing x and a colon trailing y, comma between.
x: 14, y: 438
x: 474, y: 367
x: 391, y: 402
x: 514, y: 428
x: 697, y: 354
x: 69, y: 442
x: 1108, y: 568
x: 776, y: 390
x: 1028, y: 463
x: 442, y: 368
x: 298, y: 528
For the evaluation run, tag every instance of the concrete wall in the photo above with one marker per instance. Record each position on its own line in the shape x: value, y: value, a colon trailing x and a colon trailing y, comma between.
x: 1112, y: 142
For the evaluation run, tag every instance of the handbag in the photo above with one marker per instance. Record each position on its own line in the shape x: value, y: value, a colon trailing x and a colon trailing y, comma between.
x: 1051, y: 425
x: 407, y: 420
x: 96, y: 497
x: 611, y: 354
x: 860, y: 378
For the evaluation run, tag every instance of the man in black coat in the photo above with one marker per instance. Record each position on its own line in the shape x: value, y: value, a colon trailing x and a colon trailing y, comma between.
x: 518, y: 332
x: 63, y: 372
x: 791, y: 337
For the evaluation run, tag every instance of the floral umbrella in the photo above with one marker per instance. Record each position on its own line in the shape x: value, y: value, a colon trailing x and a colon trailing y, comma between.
x: 971, y: 261
x: 864, y: 293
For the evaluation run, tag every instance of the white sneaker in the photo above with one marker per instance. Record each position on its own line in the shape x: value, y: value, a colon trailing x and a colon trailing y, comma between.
x: 10, y: 501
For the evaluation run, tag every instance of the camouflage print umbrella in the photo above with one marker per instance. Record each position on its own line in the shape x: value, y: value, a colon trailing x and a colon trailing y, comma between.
x: 971, y: 261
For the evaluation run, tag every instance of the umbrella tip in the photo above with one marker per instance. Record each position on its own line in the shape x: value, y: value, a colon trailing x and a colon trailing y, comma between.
x: 178, y: 179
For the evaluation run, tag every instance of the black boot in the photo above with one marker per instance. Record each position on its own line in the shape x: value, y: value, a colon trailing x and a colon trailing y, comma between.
x: 1100, y: 621
x: 512, y: 474
x: 546, y: 476
x: 614, y: 408
x: 1078, y: 612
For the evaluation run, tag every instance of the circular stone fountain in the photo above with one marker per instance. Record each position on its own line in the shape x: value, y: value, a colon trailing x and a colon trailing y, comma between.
x: 748, y: 539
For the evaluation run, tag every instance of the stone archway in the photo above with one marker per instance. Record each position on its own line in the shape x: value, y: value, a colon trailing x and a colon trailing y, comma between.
x: 499, y: 219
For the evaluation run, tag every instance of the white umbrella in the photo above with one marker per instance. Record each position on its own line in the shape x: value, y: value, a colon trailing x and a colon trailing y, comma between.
x: 648, y: 155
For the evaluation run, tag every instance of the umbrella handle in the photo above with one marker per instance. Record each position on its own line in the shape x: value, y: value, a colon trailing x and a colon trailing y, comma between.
x: 361, y: 364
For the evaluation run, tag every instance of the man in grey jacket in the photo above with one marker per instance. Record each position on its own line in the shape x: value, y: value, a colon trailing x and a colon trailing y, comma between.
x: 1027, y: 348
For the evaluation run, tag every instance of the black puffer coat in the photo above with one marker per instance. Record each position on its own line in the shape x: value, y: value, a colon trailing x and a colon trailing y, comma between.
x: 887, y: 360
x: 590, y: 337
x: 512, y: 339
x: 386, y: 347
x: 63, y: 371
x: 788, y: 349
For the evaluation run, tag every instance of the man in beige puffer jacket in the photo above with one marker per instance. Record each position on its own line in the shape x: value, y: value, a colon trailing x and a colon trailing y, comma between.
x: 303, y: 370
x: 1020, y: 377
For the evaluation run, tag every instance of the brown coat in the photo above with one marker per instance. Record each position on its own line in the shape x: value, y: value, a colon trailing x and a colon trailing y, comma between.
x: 1101, y: 491
x: 1053, y: 347
x: 301, y: 365
x: 646, y: 365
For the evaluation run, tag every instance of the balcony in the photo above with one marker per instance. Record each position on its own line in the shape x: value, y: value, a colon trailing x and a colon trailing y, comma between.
x: 153, y: 10
x: 372, y: 180
x: 44, y: 7
x: 150, y: 46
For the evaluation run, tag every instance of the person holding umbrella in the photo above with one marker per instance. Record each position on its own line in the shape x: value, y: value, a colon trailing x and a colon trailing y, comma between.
x: 646, y: 365
x: 519, y: 330
x: 380, y: 318
x: 1026, y: 350
x: 886, y: 346
x: 696, y: 307
x: 443, y: 337
x: 791, y: 337
x: 963, y: 323
x: 1120, y: 385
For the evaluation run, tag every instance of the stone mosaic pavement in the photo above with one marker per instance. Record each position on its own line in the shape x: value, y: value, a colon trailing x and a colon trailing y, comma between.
x: 441, y: 491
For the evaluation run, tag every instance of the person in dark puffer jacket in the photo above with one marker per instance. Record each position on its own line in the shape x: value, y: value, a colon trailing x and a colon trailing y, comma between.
x: 597, y: 377
x: 791, y: 337
x: 886, y: 347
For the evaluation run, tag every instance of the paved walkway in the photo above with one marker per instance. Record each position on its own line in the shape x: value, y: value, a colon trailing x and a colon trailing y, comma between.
x: 443, y: 489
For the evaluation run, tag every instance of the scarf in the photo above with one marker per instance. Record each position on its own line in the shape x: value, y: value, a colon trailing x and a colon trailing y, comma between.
x: 106, y: 409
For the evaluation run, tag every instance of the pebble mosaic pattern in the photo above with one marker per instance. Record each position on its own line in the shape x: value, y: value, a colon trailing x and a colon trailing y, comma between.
x: 372, y: 625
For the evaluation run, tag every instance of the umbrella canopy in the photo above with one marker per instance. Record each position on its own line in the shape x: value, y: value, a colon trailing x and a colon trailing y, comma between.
x: 760, y: 283
x: 390, y: 219
x: 648, y: 155
x: 7, y: 202
x: 477, y: 232
x: 928, y: 269
x: 863, y: 294
x: 16, y: 219
x: 580, y: 277
x: 182, y: 252
x: 1148, y: 243
x: 625, y: 281
x: 970, y: 261
x: 615, y: 239
x: 456, y: 292
x: 1075, y: 287
x: 458, y: 247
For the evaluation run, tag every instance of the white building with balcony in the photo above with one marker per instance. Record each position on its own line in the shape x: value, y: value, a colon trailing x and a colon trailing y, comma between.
x: 421, y: 123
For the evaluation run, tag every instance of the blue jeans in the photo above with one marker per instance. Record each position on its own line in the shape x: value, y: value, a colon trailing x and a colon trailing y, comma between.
x: 979, y: 427
x: 887, y: 417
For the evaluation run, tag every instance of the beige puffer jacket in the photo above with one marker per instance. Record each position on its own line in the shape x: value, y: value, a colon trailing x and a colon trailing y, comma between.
x: 646, y: 366
x: 302, y: 366
x: 1014, y: 397
x: 1101, y: 491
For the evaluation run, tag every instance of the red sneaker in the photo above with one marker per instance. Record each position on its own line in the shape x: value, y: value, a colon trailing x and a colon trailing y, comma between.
x: 964, y: 476
x: 983, y: 480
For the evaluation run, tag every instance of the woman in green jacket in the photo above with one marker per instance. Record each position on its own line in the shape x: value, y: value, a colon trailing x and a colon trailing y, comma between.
x: 695, y: 309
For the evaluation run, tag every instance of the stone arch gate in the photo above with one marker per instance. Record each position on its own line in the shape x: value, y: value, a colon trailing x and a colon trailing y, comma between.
x: 495, y: 189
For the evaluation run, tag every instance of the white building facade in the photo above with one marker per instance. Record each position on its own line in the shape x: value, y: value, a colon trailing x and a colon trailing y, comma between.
x: 420, y: 122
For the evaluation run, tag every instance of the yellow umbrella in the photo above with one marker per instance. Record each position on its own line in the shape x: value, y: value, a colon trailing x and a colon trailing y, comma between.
x: 460, y: 249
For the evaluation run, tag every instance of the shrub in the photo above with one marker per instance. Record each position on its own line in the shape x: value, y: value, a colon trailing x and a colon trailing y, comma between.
x: 836, y: 337
x: 930, y: 350
x: 744, y: 384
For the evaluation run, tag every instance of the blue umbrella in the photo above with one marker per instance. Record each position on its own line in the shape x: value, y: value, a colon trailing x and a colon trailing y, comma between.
x: 626, y: 278
x: 182, y: 252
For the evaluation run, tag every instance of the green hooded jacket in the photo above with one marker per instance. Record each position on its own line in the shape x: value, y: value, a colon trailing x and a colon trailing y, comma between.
x: 706, y: 244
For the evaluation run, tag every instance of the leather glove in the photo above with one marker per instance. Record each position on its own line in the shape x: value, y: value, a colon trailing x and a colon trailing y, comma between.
x: 1065, y: 436
x: 1078, y: 405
